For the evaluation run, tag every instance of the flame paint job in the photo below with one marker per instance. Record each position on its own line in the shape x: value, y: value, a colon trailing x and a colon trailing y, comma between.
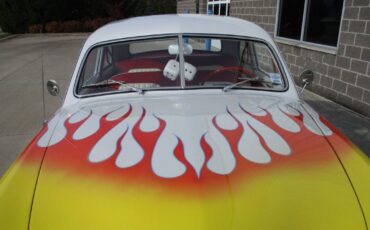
x: 17, y: 187
x: 128, y: 124
x: 197, y: 159
x: 241, y: 162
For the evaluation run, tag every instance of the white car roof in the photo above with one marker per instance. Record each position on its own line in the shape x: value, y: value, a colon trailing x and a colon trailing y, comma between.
x: 175, y: 24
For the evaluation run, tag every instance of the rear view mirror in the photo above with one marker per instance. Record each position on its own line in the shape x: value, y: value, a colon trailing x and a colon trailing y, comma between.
x: 174, y: 49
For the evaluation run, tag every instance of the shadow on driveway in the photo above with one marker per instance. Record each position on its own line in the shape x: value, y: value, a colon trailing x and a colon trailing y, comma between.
x: 354, y: 126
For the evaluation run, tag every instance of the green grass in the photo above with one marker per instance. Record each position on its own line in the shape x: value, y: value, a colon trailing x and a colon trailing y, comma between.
x: 3, y: 35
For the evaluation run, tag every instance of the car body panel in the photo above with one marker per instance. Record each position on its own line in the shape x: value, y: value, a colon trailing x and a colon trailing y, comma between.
x: 17, y: 187
x: 290, y: 181
x: 186, y: 158
x: 357, y: 167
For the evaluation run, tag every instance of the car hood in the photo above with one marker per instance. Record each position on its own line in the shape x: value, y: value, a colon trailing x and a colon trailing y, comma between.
x: 230, y: 161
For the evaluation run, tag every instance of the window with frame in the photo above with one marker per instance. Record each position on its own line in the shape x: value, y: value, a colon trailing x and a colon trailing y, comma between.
x: 157, y: 63
x: 128, y: 66
x: 205, y: 44
x: 240, y: 63
x: 311, y: 21
x: 218, y: 7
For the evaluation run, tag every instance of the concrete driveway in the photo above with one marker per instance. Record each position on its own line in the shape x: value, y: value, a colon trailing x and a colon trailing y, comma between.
x: 21, y: 111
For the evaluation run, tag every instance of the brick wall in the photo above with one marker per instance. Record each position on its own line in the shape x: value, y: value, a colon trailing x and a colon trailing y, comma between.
x: 261, y: 12
x: 184, y: 6
x: 190, y: 5
x: 343, y: 77
x: 203, y: 6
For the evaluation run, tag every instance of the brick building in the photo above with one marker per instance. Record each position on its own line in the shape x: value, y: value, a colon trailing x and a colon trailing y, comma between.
x: 330, y: 37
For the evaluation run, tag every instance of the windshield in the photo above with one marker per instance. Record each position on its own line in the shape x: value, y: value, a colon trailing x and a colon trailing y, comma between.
x: 159, y: 63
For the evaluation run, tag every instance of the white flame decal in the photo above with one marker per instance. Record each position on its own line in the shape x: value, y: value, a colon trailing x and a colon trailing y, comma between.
x: 187, y: 126
x: 250, y: 147
x: 315, y: 116
x: 50, y: 137
x: 79, y: 116
x: 131, y: 153
x: 283, y: 121
x: 222, y: 160
x: 164, y: 163
x: 89, y: 127
x: 177, y: 128
x: 106, y: 146
x: 114, y: 115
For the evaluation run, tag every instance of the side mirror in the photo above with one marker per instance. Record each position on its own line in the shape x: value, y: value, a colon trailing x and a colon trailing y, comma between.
x: 306, y: 78
x: 53, y: 87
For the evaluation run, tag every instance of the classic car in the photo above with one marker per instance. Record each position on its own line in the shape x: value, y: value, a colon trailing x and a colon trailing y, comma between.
x: 185, y: 122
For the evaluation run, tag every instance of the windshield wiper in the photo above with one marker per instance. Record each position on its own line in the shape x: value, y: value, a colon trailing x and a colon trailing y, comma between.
x: 245, y: 80
x: 113, y: 82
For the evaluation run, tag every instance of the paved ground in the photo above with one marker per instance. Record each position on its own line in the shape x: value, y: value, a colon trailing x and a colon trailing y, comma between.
x: 21, y: 92
x: 3, y: 35
x: 356, y: 127
x: 21, y: 113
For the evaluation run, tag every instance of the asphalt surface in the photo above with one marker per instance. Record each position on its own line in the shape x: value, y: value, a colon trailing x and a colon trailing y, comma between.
x: 354, y: 126
x: 21, y: 110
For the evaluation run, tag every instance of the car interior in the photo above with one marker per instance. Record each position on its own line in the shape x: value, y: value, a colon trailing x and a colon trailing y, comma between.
x: 155, y: 64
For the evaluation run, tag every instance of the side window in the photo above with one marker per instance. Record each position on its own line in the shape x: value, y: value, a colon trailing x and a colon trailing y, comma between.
x: 247, y: 54
x: 265, y: 60
x: 107, y: 57
x: 130, y: 66
x: 91, y: 67
x: 267, y: 66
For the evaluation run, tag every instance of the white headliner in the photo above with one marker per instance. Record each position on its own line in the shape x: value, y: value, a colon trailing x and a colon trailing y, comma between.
x: 175, y: 24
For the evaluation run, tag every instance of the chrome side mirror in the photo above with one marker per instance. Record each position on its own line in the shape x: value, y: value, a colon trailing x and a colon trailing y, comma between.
x: 306, y: 78
x: 53, y: 87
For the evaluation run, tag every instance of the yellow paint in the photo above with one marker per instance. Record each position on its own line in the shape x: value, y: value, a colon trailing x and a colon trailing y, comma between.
x: 314, y: 197
x: 357, y: 166
x: 308, y: 196
x: 16, y: 191
x: 304, y: 198
x: 78, y: 204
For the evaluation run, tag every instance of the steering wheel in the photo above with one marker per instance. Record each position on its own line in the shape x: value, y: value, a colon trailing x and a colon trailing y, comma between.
x: 238, y: 69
